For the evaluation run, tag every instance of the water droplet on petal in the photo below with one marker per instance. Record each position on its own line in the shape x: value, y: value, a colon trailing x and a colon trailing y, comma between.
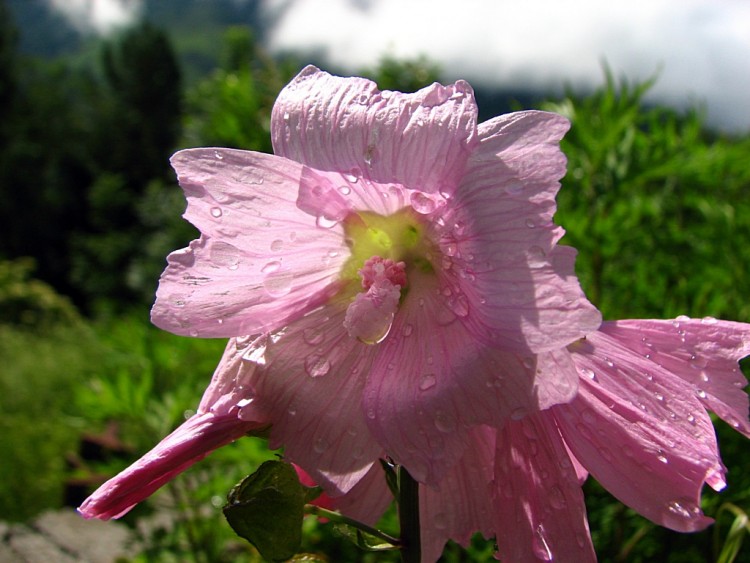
x: 345, y: 190
x: 278, y: 284
x: 661, y: 457
x: 317, y: 366
x: 286, y: 116
x: 422, y: 203
x: 216, y: 212
x: 225, y: 254
x: 536, y: 257
x: 683, y: 509
x: 540, y: 547
x: 218, y: 155
x: 439, y: 521
x: 514, y: 187
x: 427, y: 381
x: 530, y: 223
x: 277, y: 245
x: 701, y: 393
x: 709, y: 321
x: 320, y: 445
x: 556, y: 498
x: 459, y: 304
x: 444, y: 422
x: 407, y: 330
x: 313, y: 336
x: 271, y: 267
x: 325, y: 223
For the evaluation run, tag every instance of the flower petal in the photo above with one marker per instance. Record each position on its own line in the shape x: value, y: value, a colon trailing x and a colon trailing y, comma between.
x: 431, y: 381
x: 368, y: 499
x: 191, y: 442
x: 420, y: 140
x: 702, y: 352
x: 641, y: 434
x: 309, y: 380
x: 261, y: 261
x: 539, y: 508
x: 461, y: 505
x: 501, y: 237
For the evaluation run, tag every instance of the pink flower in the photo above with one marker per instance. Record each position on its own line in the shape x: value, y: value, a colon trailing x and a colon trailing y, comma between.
x: 215, y: 424
x: 639, y: 425
x: 396, y: 265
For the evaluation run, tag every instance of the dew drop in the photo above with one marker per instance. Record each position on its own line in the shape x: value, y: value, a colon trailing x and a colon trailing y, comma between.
x: 353, y: 176
x: 216, y: 212
x: 313, y: 336
x: 609, y: 362
x: 514, y: 187
x: 422, y: 203
x: 407, y: 330
x: 709, y: 321
x: 286, y: 116
x: 427, y: 381
x: 530, y: 223
x: 320, y: 445
x: 371, y: 414
x: 540, y: 547
x: 536, y: 257
x: 325, y: 223
x: 556, y: 498
x: 278, y: 284
x: 444, y: 422
x: 701, y: 393
x: 680, y: 509
x: 345, y: 190
x: 225, y: 254
x: 317, y: 366
x: 218, y: 155
x: 271, y: 267
x: 589, y: 374
x: 439, y: 521
x: 277, y: 245
x: 661, y: 457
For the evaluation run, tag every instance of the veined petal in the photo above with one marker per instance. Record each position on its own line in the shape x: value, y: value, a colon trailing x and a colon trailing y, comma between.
x: 309, y: 380
x: 420, y: 140
x: 462, y: 504
x: 261, y: 261
x: 539, y: 507
x: 500, y: 235
x: 664, y: 444
x: 432, y: 380
x: 368, y: 499
x: 191, y: 442
x: 702, y: 352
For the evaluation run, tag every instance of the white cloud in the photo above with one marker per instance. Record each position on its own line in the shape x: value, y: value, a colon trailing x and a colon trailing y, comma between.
x: 98, y: 16
x: 700, y: 47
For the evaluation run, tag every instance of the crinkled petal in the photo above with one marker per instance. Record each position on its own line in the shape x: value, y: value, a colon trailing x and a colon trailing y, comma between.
x: 191, y: 442
x: 500, y: 237
x: 431, y: 381
x: 462, y: 504
x: 539, y: 507
x: 420, y: 140
x: 641, y: 434
x: 309, y: 379
x: 260, y: 262
x: 702, y: 352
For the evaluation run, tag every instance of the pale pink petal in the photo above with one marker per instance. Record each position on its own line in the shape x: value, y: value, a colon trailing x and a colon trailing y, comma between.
x: 191, y: 442
x: 420, y: 140
x: 431, y: 381
x: 261, y: 261
x: 462, y: 503
x: 641, y: 434
x: 539, y: 508
x: 702, y: 352
x: 309, y: 381
x: 499, y: 235
x: 368, y: 499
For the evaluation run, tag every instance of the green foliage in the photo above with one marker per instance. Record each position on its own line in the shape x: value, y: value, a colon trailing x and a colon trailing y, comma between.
x: 403, y: 75
x: 265, y: 508
x: 656, y: 207
x: 28, y: 302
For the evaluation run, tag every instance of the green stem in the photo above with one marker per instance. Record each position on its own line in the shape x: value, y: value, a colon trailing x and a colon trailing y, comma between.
x: 408, y: 515
x: 341, y: 519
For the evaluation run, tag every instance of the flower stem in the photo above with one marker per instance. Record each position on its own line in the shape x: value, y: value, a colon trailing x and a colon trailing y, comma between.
x: 408, y: 515
x: 339, y: 518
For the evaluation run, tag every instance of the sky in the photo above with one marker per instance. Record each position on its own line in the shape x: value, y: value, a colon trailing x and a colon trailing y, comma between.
x: 699, y: 48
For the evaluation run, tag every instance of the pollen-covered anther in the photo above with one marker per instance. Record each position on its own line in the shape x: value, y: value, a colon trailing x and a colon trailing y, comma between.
x: 370, y: 316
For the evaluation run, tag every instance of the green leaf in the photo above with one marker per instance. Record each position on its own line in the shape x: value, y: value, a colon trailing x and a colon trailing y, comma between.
x: 266, y: 508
